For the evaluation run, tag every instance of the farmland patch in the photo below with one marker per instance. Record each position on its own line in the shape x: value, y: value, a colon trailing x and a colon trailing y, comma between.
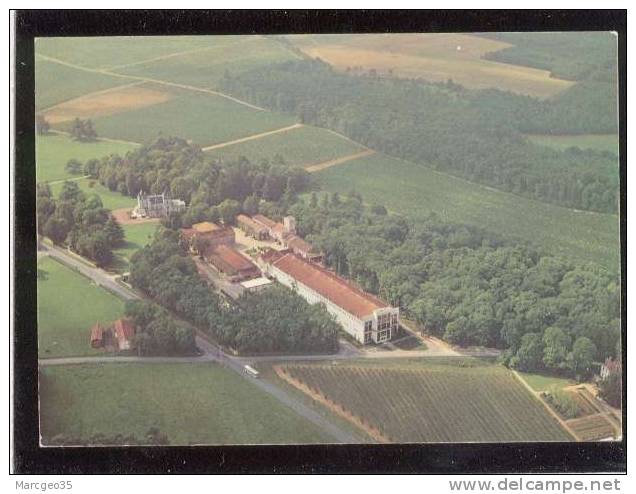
x: 416, y: 190
x: 55, y: 83
x: 190, y: 403
x: 435, y: 57
x: 302, y: 146
x: 108, y: 102
x: 201, y: 117
x: 432, y: 402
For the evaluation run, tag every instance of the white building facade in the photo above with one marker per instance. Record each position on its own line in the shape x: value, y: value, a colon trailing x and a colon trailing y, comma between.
x: 376, y: 325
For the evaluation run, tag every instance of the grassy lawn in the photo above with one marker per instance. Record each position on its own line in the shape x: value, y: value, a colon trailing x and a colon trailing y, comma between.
x: 204, y: 118
x: 111, y: 200
x: 136, y: 237
x: 231, y: 54
x: 415, y: 190
x: 599, y: 142
x: 55, y: 83
x: 53, y: 151
x: 191, y: 403
x: 299, y: 147
x: 68, y: 305
x: 540, y: 382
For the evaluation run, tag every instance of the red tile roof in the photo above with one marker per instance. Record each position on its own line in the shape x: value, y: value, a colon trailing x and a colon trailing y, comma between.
x: 232, y: 258
x: 329, y: 285
x: 124, y: 329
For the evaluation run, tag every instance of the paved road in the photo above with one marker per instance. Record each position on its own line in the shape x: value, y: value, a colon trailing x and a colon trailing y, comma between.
x: 99, y: 276
x: 212, y: 353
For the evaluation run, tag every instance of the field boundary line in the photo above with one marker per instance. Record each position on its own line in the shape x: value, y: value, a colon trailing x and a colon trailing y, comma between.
x: 105, y: 139
x: 154, y: 81
x: 338, y: 161
x: 252, y: 137
x: 172, y: 55
x: 62, y: 180
x: 547, y: 407
x: 332, y: 406
x: 89, y: 95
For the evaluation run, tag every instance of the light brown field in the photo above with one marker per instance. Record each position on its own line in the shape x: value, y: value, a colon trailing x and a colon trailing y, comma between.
x: 434, y: 57
x: 108, y: 102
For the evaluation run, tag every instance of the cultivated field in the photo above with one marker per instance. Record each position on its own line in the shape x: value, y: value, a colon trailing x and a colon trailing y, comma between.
x: 435, y: 57
x: 201, y: 117
x: 107, y: 102
x: 302, y: 146
x: 599, y: 142
x: 224, y: 55
x: 116, y: 51
x: 191, y: 403
x: 415, y: 190
x: 432, y: 401
x: 55, y: 83
x: 52, y: 152
x: 68, y: 306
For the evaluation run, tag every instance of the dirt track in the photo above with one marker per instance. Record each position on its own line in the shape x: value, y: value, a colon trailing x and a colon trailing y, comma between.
x: 338, y: 161
x: 252, y: 137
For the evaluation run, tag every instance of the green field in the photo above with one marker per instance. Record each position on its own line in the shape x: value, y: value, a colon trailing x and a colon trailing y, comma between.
x: 540, y: 382
x: 191, y: 403
x: 298, y: 147
x: 415, y: 190
x: 136, y: 237
x: 598, y: 142
x: 205, y: 118
x: 68, y: 306
x: 55, y: 83
x: 52, y: 152
x: 435, y: 401
x: 111, y: 200
x: 110, y: 52
x: 204, y: 68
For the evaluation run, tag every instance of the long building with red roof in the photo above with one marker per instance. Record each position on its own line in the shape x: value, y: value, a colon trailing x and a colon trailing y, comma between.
x: 362, y: 315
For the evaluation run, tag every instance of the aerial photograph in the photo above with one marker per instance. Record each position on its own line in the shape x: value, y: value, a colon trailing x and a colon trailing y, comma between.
x: 328, y: 239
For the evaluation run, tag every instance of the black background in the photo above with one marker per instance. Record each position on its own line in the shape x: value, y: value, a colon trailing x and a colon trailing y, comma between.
x: 29, y: 458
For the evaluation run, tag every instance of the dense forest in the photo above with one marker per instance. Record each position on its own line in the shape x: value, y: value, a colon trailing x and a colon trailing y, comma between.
x: 276, y: 320
x: 80, y: 220
x: 477, y: 135
x: 470, y: 287
x: 213, y: 190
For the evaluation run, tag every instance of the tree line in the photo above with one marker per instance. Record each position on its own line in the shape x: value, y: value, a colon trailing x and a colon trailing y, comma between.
x: 477, y: 135
x: 157, y: 332
x: 80, y: 220
x: 470, y: 287
x: 276, y: 320
x: 214, y: 190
